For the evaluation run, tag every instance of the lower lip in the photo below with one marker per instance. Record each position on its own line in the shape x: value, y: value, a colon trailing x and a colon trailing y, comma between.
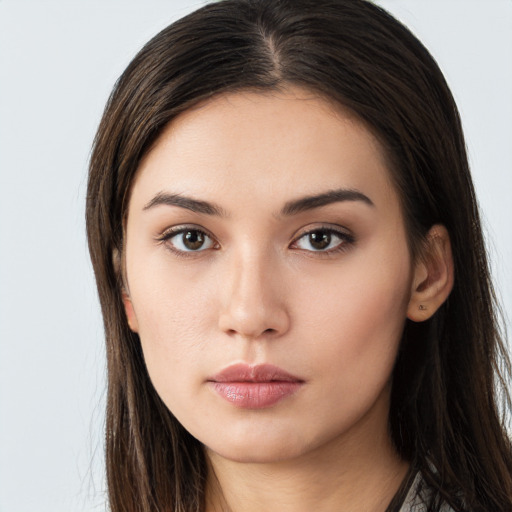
x: 255, y: 395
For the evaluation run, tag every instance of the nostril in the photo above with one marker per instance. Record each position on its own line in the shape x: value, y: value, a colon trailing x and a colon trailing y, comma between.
x: 253, y: 321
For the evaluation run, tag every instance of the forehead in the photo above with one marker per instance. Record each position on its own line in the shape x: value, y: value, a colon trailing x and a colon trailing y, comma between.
x: 255, y: 145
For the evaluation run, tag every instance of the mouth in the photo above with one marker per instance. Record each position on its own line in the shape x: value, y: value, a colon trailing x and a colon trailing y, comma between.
x: 254, y: 387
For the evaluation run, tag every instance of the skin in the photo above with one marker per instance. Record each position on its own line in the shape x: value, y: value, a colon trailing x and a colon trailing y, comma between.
x: 259, y: 292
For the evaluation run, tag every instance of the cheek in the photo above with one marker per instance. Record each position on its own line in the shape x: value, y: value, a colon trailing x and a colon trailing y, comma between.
x: 168, y: 299
x: 174, y: 311
x: 172, y: 327
x: 356, y: 318
x: 173, y: 345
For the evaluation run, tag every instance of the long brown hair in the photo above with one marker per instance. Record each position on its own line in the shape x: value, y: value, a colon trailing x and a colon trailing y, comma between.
x: 444, y: 415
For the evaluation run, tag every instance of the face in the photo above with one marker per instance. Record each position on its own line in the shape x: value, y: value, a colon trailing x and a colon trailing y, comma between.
x: 268, y: 274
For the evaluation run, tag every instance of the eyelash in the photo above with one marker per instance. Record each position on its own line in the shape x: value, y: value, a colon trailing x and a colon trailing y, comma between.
x: 170, y: 233
x: 345, y: 240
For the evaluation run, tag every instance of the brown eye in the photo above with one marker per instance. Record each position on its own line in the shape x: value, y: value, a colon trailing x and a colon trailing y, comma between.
x: 189, y: 240
x: 319, y: 240
x: 323, y: 240
x: 193, y: 240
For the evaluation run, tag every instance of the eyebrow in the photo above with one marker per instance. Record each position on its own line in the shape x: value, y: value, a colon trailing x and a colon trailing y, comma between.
x: 195, y: 205
x: 293, y: 207
x: 316, y: 201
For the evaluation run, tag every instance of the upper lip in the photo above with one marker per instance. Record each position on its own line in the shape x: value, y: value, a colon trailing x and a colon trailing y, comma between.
x: 243, y: 372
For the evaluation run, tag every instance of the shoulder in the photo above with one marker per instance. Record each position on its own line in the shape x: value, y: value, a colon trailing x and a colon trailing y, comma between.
x: 417, y: 497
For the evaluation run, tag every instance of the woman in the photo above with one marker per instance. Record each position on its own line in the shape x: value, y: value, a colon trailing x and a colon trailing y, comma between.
x: 290, y: 263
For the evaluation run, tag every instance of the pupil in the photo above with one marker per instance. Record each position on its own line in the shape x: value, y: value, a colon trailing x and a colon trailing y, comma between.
x: 319, y: 239
x: 193, y: 240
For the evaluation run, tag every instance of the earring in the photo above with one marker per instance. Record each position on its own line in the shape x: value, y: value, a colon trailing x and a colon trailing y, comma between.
x: 422, y: 307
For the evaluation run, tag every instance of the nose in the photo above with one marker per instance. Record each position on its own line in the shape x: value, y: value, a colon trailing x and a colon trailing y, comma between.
x: 253, y: 302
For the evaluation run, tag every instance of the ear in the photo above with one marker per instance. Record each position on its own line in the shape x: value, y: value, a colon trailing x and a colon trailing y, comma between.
x: 127, y: 301
x: 130, y: 312
x: 433, y: 275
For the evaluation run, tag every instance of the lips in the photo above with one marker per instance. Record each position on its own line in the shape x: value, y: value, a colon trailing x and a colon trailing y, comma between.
x: 254, y: 387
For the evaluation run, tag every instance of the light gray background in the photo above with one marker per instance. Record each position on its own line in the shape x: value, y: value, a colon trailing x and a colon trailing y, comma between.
x: 58, y: 62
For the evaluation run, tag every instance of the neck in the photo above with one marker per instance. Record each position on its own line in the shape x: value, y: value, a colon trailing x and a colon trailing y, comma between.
x: 360, y: 472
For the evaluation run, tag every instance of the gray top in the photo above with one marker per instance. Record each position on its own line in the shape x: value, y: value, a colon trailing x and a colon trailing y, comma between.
x: 415, y: 502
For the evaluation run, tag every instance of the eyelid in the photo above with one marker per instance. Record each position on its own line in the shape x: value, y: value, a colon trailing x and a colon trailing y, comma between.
x: 173, y: 231
x: 180, y: 228
x: 346, y: 236
x: 319, y: 226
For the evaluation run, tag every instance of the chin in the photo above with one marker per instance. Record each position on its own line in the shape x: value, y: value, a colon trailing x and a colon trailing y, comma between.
x: 259, y: 449
x: 256, y: 455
